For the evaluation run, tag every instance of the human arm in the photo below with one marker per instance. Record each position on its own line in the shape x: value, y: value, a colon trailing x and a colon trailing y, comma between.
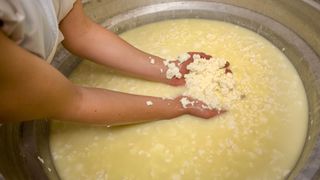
x: 115, y: 108
x: 31, y: 89
x: 89, y: 40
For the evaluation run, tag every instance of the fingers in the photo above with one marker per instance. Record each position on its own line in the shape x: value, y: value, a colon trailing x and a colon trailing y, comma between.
x: 228, y: 71
x: 227, y: 68
x: 206, y: 113
x: 208, y: 57
x: 198, y: 108
x: 227, y: 64
x: 201, y: 54
x: 183, y: 68
x: 177, y: 81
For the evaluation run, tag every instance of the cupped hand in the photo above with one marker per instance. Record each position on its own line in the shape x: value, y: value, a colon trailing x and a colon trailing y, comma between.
x: 198, y: 108
x: 183, y: 68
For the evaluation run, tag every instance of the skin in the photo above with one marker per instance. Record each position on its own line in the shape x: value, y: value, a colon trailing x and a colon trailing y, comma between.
x: 32, y: 89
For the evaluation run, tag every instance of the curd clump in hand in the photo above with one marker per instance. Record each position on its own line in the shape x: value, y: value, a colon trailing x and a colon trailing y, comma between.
x: 209, y: 79
x: 212, y: 82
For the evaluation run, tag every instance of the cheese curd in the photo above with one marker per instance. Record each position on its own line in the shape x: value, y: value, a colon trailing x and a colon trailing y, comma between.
x: 209, y: 82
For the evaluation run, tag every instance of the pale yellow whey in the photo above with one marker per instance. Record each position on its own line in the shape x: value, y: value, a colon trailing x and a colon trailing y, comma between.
x: 260, y: 137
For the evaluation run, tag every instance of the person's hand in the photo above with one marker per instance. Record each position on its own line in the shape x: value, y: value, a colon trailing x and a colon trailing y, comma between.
x: 183, y: 68
x: 198, y: 108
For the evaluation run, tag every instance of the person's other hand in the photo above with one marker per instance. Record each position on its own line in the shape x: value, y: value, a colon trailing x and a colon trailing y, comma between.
x: 183, y: 68
x: 198, y: 108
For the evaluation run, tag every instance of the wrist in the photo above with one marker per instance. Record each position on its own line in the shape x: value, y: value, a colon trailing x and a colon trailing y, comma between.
x: 178, y: 106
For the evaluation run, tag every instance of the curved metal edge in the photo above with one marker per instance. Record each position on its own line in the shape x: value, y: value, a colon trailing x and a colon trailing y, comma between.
x: 194, y: 7
x: 313, y: 4
x: 11, y: 155
x: 63, y: 66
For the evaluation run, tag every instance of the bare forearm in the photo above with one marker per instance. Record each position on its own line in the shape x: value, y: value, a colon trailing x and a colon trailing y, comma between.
x: 91, y: 41
x: 108, y: 49
x: 101, y: 106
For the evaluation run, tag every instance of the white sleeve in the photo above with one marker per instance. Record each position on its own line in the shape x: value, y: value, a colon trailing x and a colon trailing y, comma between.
x: 12, y: 16
x: 63, y: 7
x: 31, y: 24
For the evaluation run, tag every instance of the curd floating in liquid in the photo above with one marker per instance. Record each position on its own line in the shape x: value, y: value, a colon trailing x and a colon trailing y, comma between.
x: 260, y: 137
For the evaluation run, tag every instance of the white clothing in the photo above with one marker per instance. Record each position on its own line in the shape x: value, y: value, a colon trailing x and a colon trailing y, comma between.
x: 33, y: 24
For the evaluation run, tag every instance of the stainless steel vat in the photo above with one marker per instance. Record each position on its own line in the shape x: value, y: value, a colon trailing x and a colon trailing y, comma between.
x: 291, y: 25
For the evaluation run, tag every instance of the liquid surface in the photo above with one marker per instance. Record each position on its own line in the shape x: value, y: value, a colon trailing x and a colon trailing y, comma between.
x: 259, y: 138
